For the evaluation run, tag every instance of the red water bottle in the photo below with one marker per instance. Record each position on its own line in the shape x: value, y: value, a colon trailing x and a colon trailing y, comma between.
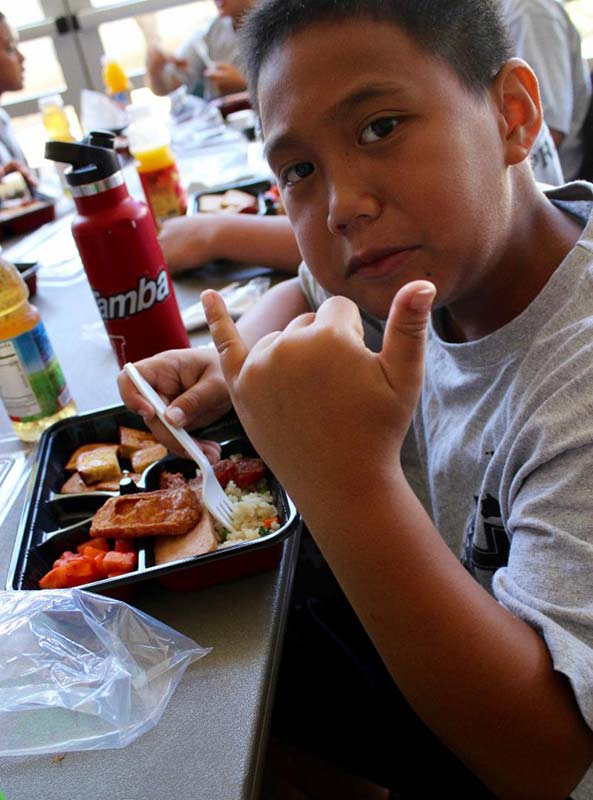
x: 118, y: 245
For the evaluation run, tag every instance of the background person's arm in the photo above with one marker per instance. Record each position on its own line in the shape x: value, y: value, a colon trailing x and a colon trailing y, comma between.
x: 164, y: 70
x: 191, y: 241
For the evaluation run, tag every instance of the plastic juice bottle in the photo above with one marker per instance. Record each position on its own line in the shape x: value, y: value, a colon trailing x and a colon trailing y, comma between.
x: 149, y: 138
x: 55, y: 119
x: 32, y: 384
x: 115, y: 81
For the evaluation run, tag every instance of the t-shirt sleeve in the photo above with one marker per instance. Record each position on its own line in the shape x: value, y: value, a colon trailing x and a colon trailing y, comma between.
x: 548, y: 507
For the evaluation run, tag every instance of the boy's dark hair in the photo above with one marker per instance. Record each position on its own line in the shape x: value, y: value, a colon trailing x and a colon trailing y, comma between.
x: 469, y: 35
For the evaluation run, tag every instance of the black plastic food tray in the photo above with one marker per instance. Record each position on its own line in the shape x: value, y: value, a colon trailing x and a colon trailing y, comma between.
x: 50, y: 525
x: 256, y: 188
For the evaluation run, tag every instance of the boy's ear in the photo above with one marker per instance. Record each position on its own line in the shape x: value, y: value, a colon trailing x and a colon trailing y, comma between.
x: 516, y: 94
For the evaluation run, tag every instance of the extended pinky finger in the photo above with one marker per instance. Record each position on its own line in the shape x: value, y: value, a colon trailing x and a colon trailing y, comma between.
x: 227, y: 340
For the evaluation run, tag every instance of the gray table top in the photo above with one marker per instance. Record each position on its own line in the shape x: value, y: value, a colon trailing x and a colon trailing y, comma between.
x: 210, y: 741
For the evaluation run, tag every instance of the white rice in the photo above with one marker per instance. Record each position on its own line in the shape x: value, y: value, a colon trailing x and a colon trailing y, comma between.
x: 250, y: 511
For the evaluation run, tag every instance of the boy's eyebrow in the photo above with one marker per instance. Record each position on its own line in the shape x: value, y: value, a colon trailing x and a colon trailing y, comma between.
x: 357, y: 96
x: 368, y: 91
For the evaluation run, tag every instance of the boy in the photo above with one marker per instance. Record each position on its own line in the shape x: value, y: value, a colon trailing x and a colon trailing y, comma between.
x: 400, y: 134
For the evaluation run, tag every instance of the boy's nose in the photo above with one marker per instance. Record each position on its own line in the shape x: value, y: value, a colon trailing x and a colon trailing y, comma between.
x: 349, y: 207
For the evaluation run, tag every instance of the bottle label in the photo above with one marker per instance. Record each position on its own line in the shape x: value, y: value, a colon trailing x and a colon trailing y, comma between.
x: 32, y: 384
x: 126, y: 304
x: 164, y: 192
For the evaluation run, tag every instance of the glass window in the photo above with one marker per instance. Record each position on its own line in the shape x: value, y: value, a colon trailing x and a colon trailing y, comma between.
x: 126, y: 39
x: 25, y: 12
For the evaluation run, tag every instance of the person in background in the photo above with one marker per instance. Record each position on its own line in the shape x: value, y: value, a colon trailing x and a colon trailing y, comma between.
x: 545, y: 37
x: 12, y: 158
x: 446, y: 474
x: 189, y: 66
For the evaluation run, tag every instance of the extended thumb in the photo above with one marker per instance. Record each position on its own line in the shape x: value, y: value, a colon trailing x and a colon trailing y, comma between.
x: 405, y: 333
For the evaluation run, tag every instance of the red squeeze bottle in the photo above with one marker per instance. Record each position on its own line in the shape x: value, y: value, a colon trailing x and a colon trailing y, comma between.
x: 117, y: 241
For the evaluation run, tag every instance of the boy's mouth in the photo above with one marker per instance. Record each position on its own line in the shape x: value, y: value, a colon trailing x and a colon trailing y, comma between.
x: 378, y: 262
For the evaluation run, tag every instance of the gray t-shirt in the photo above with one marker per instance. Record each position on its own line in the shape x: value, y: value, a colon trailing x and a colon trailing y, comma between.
x: 501, y: 454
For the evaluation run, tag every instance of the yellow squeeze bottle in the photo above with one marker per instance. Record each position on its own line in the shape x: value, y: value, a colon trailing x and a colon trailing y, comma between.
x: 148, y: 139
x: 115, y: 81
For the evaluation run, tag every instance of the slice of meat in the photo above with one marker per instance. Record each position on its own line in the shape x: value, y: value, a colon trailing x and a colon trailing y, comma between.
x: 86, y: 448
x: 243, y: 471
x: 147, y: 455
x: 97, y: 465
x: 131, y: 439
x: 166, y: 512
x: 201, y: 539
x: 172, y: 480
x: 249, y: 471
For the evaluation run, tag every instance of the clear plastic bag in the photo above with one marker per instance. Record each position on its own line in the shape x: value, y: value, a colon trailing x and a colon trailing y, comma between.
x: 83, y: 672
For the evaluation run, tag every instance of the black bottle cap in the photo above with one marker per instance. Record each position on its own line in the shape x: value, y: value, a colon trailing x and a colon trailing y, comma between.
x: 92, y: 160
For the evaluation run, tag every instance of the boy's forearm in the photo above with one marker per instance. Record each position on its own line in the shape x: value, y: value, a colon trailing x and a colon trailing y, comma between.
x: 273, y: 312
x: 481, y: 678
x: 256, y: 240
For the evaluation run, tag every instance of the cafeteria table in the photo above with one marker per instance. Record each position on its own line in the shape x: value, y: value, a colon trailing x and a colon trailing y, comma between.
x: 210, y: 741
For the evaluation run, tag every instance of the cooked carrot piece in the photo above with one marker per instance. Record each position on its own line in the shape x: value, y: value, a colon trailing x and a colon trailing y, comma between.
x: 54, y: 579
x: 100, y: 543
x: 89, y: 550
x: 119, y: 563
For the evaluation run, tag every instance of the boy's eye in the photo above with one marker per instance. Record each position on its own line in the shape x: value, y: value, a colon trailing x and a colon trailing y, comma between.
x: 296, y: 173
x: 378, y: 129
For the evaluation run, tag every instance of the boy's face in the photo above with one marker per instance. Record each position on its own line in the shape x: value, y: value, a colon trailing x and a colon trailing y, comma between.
x: 11, y: 61
x: 390, y: 169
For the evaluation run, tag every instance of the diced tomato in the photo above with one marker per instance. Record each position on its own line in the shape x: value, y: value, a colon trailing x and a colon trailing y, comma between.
x: 119, y: 563
x: 124, y: 546
x: 267, y: 523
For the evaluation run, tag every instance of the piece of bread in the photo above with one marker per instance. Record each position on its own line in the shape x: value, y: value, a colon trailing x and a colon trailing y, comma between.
x: 166, y: 512
x: 210, y: 203
x: 131, y: 439
x: 85, y: 448
x: 147, y: 455
x: 98, y: 465
x: 237, y: 201
x: 201, y: 539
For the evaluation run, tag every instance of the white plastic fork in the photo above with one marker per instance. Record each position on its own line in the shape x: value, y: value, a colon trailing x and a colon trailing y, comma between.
x: 213, y: 496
